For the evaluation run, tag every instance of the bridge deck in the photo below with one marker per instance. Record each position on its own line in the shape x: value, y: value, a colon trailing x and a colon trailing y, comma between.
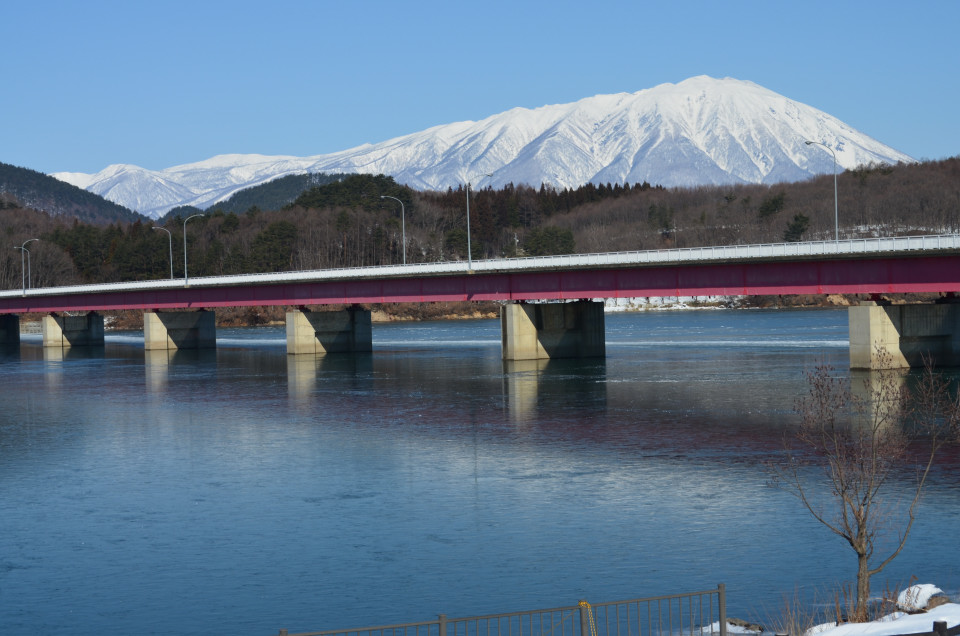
x: 891, y: 265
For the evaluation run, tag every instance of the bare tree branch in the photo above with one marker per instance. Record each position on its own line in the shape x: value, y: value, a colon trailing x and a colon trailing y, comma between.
x: 860, y: 435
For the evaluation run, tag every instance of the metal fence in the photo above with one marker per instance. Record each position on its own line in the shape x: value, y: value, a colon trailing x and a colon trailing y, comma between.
x: 691, y: 614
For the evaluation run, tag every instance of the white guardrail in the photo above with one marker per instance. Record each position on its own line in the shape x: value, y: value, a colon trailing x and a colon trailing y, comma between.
x: 723, y: 253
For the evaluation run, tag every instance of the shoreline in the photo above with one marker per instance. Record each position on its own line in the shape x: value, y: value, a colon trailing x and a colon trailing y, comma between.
x: 257, y: 316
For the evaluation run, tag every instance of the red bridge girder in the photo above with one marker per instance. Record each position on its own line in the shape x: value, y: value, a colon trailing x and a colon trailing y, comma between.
x: 902, y: 274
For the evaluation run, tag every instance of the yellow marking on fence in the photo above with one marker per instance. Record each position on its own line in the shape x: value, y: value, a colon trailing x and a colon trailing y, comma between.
x: 593, y: 626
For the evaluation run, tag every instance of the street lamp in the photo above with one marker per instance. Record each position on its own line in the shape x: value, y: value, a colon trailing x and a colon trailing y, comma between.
x: 403, y: 224
x: 185, y: 279
x: 170, y: 240
x: 23, y: 277
x: 469, y: 251
x: 836, y: 213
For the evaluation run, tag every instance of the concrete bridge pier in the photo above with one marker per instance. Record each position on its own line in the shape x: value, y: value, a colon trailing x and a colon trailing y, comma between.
x: 899, y: 336
x: 321, y: 332
x: 9, y: 329
x: 179, y: 330
x: 554, y: 330
x: 72, y: 331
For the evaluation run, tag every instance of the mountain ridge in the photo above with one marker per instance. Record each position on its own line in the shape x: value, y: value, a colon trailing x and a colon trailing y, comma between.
x: 702, y: 131
x: 32, y: 189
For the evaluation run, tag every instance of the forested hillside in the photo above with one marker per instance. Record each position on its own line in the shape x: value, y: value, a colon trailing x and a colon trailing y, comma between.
x: 272, y: 195
x: 38, y: 191
x: 348, y: 223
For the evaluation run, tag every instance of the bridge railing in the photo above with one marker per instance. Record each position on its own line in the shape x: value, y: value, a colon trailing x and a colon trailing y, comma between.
x: 721, y: 253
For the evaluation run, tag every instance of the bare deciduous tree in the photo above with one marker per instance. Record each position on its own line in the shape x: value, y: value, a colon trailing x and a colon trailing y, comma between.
x: 863, y: 438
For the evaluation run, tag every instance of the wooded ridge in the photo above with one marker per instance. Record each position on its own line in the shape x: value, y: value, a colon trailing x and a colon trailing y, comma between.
x: 351, y: 221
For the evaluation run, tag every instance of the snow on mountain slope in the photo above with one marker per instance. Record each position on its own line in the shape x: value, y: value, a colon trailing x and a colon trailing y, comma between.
x: 697, y: 132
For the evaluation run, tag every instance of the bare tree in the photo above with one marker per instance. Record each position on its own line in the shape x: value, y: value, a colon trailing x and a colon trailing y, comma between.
x: 862, y: 438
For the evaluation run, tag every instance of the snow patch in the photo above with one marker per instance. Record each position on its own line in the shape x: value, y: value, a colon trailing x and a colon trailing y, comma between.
x: 653, y: 303
x: 916, y: 597
x: 893, y: 624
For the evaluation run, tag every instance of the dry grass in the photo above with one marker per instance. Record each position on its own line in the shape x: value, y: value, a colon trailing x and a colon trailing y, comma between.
x: 798, y: 615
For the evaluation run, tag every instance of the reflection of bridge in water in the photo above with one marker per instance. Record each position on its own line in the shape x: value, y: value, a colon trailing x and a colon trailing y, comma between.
x: 527, y: 392
x: 551, y: 304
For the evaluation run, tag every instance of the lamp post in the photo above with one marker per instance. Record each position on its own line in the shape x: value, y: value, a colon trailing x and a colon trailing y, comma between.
x: 186, y: 280
x: 836, y: 212
x: 170, y: 240
x: 23, y: 277
x: 469, y: 250
x: 403, y: 224
x: 29, y: 270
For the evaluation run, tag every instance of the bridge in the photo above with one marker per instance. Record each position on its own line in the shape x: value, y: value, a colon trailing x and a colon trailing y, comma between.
x: 552, y: 306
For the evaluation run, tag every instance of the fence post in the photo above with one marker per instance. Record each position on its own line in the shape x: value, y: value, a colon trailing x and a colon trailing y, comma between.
x: 442, y: 624
x: 722, y: 602
x: 588, y: 627
x: 940, y: 627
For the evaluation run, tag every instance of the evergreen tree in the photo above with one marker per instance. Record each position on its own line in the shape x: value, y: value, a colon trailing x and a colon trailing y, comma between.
x: 548, y: 241
x: 660, y: 216
x: 796, y: 228
x: 356, y: 191
x: 272, y: 248
x: 771, y: 206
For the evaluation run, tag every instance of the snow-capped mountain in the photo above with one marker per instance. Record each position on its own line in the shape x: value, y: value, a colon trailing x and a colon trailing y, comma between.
x: 698, y: 132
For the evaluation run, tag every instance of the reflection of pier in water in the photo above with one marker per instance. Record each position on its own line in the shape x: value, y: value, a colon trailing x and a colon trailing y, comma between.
x: 9, y: 352
x: 305, y: 371
x: 877, y: 393
x: 529, y: 383
x: 160, y: 364
x: 53, y: 357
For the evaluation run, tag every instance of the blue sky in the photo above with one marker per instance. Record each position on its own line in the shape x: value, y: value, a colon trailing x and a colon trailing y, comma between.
x: 157, y: 84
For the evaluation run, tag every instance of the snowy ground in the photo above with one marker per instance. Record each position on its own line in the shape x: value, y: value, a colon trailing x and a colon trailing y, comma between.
x: 613, y: 305
x: 896, y: 623
x: 912, y: 599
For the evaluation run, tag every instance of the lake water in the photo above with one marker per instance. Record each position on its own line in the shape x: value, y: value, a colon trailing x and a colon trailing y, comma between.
x: 241, y: 490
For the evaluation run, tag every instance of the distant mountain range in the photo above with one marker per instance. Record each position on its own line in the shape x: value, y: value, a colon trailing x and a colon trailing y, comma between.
x: 700, y: 131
